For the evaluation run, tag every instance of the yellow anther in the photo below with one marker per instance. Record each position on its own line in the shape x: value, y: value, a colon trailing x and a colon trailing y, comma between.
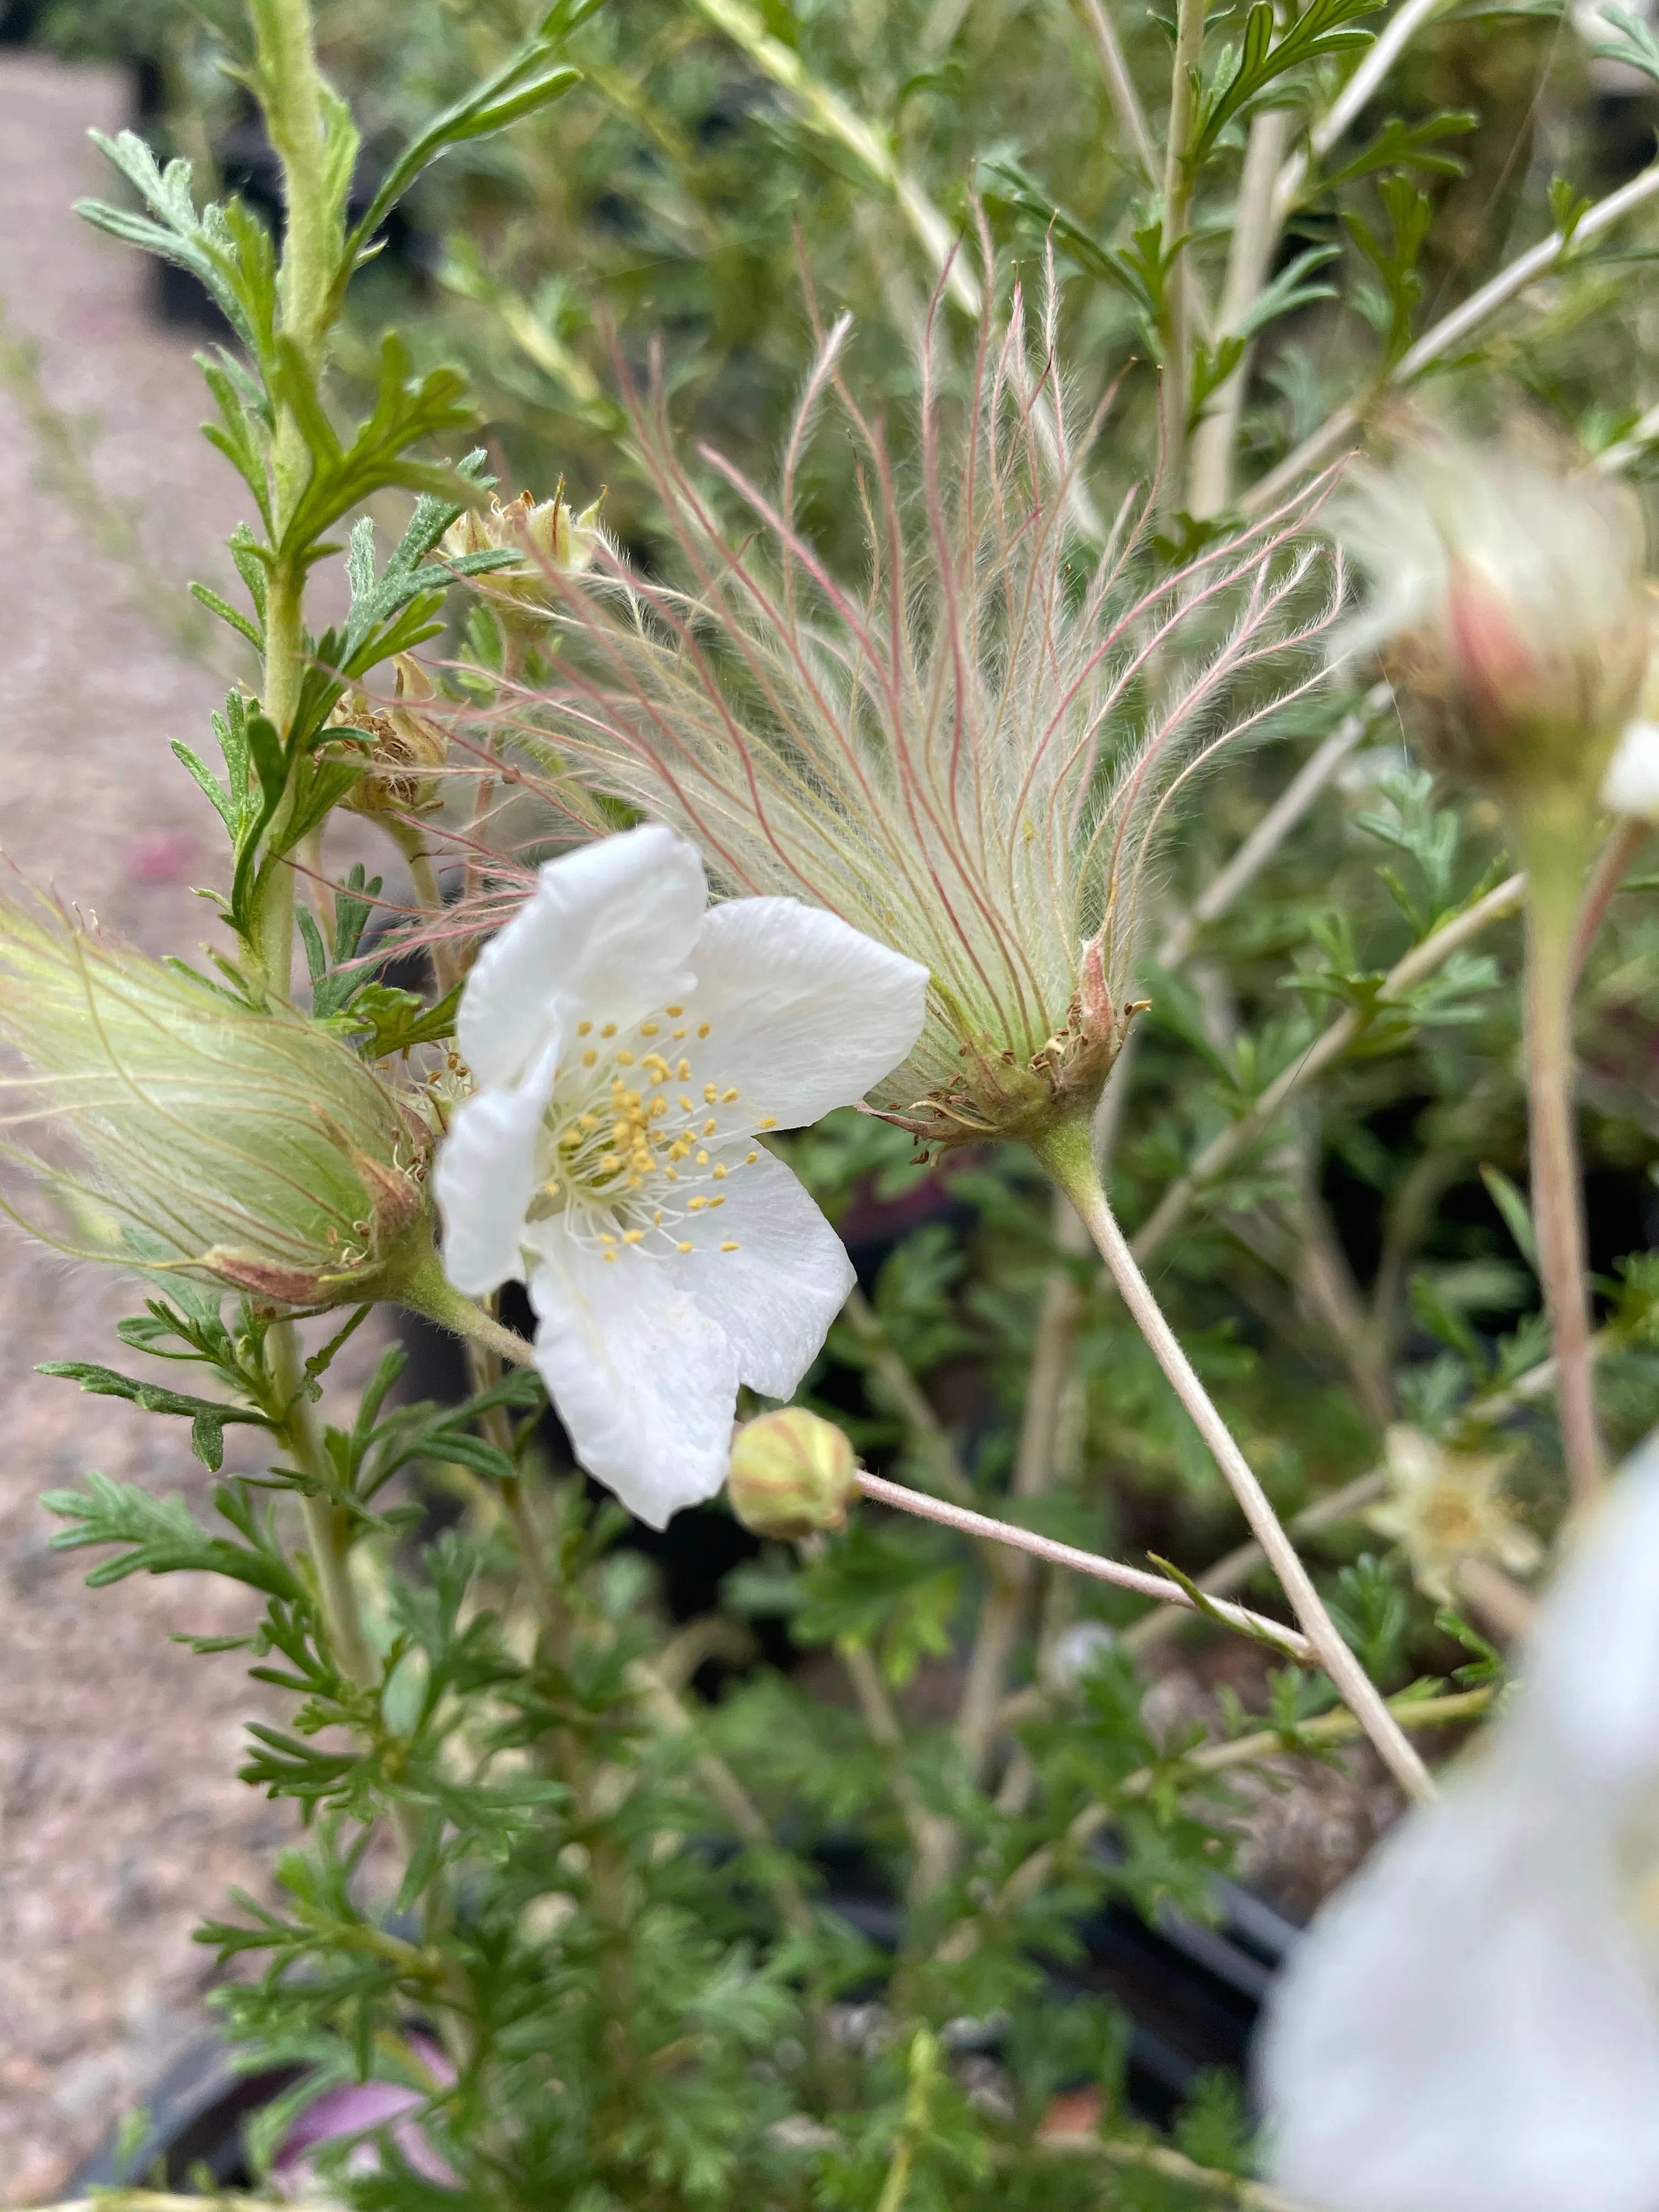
x: 608, y: 1163
x: 710, y: 1125
x: 679, y: 1033
x: 674, y: 1012
x: 749, y: 1158
x: 729, y: 1246
x: 570, y: 1138
x: 673, y: 1174
x: 702, y: 1029
x: 696, y: 1204
x: 656, y: 1218
x: 683, y: 1071
x: 649, y: 1028
x: 768, y: 1122
x: 719, y: 1173
x: 607, y: 1255
x: 713, y: 1202
x: 729, y: 1097
x: 659, y: 1108
x: 709, y: 1094
x: 625, y: 1060
x: 703, y: 1159
x: 632, y: 1101
x: 619, y: 1133
x: 610, y: 1029
x: 632, y: 1236
x: 605, y: 1236
x: 589, y: 1057
x: 682, y: 1248
x: 686, y: 1107
x: 583, y: 1029
x: 589, y: 1122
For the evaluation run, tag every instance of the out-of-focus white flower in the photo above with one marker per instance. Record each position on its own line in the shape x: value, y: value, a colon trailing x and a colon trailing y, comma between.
x: 1631, y: 784
x: 1508, y: 606
x: 1449, y: 1506
x: 629, y: 1049
x: 1473, y: 2025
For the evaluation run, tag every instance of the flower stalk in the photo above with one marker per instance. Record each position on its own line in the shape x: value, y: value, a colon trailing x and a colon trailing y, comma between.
x: 1067, y: 1154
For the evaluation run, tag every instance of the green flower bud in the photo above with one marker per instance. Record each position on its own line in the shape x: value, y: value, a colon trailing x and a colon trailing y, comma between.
x: 407, y: 749
x: 547, y: 537
x: 791, y: 1474
x: 181, y: 1132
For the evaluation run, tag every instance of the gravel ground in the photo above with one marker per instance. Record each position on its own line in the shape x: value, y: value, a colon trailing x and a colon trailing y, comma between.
x: 120, y: 1818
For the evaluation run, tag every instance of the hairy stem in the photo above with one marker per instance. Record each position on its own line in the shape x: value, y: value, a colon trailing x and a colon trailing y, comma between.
x: 1066, y: 1153
x: 1554, y: 878
x: 1121, y: 87
x: 1178, y: 181
x: 1056, y: 1554
x: 425, y: 1288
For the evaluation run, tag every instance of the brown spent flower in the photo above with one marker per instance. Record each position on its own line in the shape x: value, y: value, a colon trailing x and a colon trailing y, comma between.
x: 407, y: 749
x: 792, y: 1475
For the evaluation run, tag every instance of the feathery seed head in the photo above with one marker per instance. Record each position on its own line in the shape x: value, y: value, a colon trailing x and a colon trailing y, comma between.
x: 968, y: 756
x: 1508, y: 608
x: 180, y: 1131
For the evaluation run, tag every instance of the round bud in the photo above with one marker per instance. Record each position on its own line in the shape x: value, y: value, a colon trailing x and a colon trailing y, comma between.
x: 791, y: 1474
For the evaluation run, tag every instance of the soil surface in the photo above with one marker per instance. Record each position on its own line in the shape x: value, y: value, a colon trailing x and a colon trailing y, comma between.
x: 121, y: 1820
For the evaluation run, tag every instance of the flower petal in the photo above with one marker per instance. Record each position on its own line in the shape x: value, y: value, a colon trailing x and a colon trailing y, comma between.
x: 776, y: 1295
x: 1631, y: 784
x: 613, y: 923
x: 1468, y: 2027
x: 804, y: 1012
x: 486, y: 1175
x: 645, y: 1381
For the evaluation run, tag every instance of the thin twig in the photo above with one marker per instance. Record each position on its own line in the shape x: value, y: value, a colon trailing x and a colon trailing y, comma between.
x: 1450, y: 333
x: 1249, y: 256
x: 1328, y: 1046
x: 1616, y: 855
x: 933, y: 1838
x: 1174, y: 2165
x: 1121, y: 87
x: 1056, y: 1554
x: 1066, y: 1156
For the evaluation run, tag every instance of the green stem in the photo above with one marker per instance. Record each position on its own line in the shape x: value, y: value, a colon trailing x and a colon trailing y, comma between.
x: 1178, y: 181
x: 1066, y: 1152
x: 1554, y: 857
x: 425, y: 1288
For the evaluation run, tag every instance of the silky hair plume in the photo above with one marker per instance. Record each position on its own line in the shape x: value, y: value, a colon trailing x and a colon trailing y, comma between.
x: 970, y: 757
x: 171, y: 1130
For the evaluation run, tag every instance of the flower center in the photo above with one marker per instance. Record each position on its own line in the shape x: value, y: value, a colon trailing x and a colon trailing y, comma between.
x: 638, y: 1144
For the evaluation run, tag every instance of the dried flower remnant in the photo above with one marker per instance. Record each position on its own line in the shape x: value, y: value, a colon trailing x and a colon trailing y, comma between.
x: 1509, y: 610
x: 1473, y: 2024
x: 406, y: 748
x: 631, y: 1050
x: 547, y: 537
x: 959, y: 758
x: 181, y: 1132
x: 1446, y: 1507
x: 792, y: 1474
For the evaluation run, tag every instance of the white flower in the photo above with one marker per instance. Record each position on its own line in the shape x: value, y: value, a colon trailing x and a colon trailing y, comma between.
x: 629, y: 1048
x: 1473, y: 2025
x: 1631, y: 783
